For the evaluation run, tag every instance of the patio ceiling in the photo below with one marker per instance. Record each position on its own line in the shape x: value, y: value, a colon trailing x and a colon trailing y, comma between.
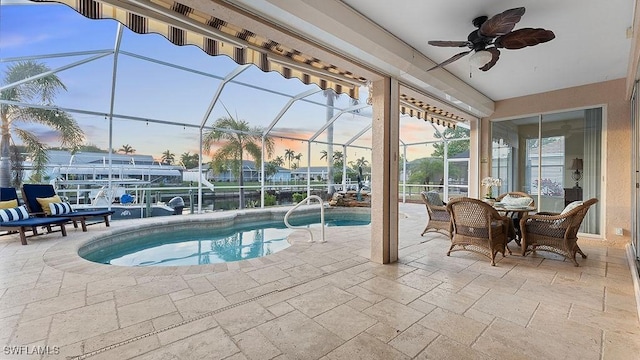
x: 592, y: 42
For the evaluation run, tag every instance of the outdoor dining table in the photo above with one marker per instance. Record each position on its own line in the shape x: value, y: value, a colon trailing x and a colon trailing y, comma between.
x: 516, y: 213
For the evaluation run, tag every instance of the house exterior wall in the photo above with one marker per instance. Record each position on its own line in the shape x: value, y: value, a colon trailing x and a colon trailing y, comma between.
x: 617, y: 190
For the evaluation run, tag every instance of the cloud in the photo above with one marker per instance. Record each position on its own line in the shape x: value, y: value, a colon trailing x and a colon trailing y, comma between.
x: 17, y: 40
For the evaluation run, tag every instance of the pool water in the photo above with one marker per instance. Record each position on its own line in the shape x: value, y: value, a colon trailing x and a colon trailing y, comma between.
x: 196, y: 246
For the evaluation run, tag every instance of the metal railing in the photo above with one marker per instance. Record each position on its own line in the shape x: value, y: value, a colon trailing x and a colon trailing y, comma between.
x: 286, y: 217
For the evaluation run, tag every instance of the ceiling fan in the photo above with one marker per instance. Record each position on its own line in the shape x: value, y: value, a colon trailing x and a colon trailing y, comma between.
x: 492, y: 34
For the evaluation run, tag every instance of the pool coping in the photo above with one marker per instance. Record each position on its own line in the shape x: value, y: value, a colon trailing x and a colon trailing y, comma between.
x: 64, y: 255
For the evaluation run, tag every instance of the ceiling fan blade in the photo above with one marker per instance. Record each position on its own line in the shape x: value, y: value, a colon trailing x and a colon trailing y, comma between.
x: 495, y: 55
x: 450, y: 60
x: 502, y: 23
x: 444, y: 43
x: 523, y: 38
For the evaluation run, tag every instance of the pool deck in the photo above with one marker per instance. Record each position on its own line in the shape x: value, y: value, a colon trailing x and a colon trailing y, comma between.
x: 317, y: 301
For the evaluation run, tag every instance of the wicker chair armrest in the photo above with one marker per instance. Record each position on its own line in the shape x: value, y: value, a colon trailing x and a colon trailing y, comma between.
x: 548, y: 213
x: 438, y: 208
x: 548, y: 217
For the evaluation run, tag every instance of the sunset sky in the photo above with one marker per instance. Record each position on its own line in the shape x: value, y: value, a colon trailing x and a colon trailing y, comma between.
x: 149, y: 90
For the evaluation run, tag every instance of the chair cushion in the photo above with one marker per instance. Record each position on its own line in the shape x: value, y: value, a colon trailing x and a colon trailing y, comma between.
x: 509, y: 200
x: 433, y: 197
x: 571, y: 206
x: 16, y: 213
x: 60, y: 208
x: 8, y: 204
x: 44, y: 203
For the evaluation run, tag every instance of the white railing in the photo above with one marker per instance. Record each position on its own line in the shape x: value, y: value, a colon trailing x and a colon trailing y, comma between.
x: 286, y: 217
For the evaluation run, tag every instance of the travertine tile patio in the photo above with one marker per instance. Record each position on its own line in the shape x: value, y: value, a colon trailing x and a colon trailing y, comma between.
x: 317, y: 301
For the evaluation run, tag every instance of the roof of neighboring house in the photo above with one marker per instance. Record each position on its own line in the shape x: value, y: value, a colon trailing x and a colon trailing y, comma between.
x: 313, y: 169
x: 64, y: 162
x: 246, y: 164
x: 62, y: 157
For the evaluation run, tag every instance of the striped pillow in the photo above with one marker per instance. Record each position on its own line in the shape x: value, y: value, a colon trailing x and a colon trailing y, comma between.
x: 60, y: 208
x: 17, y: 213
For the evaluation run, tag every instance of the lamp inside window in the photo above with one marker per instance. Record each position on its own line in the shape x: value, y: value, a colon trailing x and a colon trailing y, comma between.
x: 576, y: 166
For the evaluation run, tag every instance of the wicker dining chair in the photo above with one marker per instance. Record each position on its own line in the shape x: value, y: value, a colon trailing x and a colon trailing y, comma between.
x: 439, y: 218
x: 478, y: 227
x: 555, y: 232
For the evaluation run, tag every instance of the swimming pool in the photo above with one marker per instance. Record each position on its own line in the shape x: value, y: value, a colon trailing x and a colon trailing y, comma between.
x: 208, y: 242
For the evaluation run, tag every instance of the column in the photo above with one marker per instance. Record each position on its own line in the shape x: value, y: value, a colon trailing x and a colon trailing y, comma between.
x: 384, y: 165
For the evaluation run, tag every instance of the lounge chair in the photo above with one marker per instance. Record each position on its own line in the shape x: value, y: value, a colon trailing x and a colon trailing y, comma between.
x: 18, y: 219
x: 8, y: 194
x: 47, y: 195
x: 9, y: 199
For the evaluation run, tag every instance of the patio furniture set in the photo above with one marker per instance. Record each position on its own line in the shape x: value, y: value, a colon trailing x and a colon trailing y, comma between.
x: 475, y: 225
x: 41, y: 207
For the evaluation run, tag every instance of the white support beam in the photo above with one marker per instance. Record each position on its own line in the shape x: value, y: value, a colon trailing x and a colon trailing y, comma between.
x: 357, y: 136
x: 116, y: 49
x: 50, y: 72
x: 335, y: 117
x: 237, y: 71
x: 286, y: 107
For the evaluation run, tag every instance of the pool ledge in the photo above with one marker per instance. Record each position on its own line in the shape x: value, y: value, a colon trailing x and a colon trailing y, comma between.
x: 64, y: 254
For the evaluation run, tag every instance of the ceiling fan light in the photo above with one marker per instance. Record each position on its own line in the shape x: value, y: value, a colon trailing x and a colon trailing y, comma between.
x: 480, y: 58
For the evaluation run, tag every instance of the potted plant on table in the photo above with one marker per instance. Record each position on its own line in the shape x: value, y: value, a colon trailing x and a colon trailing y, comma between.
x: 489, y: 183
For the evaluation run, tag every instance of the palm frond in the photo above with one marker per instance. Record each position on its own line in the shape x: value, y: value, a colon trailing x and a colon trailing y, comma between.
x: 37, y: 151
x: 71, y: 135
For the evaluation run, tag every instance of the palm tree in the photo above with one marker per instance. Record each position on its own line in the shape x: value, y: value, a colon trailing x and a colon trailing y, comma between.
x: 289, y: 155
x: 168, y: 157
x: 337, y: 158
x: 41, y: 90
x: 298, y: 158
x: 362, y: 162
x: 278, y: 161
x: 324, y: 154
x: 189, y: 161
x: 127, y: 149
x: 241, y: 138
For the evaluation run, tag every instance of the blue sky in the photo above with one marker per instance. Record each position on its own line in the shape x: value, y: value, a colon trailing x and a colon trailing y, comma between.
x: 149, y: 90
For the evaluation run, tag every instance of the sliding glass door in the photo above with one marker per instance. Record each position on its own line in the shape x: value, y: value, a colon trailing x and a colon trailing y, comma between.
x: 553, y: 157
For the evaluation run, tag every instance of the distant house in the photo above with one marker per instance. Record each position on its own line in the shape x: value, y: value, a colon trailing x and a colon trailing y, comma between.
x: 92, y: 166
x: 251, y: 173
x: 315, y: 172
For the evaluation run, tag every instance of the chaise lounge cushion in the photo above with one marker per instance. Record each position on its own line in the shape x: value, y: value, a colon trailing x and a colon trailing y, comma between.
x: 8, y: 204
x: 44, y: 203
x: 13, y: 214
x: 60, y: 208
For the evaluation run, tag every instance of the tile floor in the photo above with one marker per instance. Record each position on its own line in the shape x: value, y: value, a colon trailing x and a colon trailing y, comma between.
x: 317, y: 301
